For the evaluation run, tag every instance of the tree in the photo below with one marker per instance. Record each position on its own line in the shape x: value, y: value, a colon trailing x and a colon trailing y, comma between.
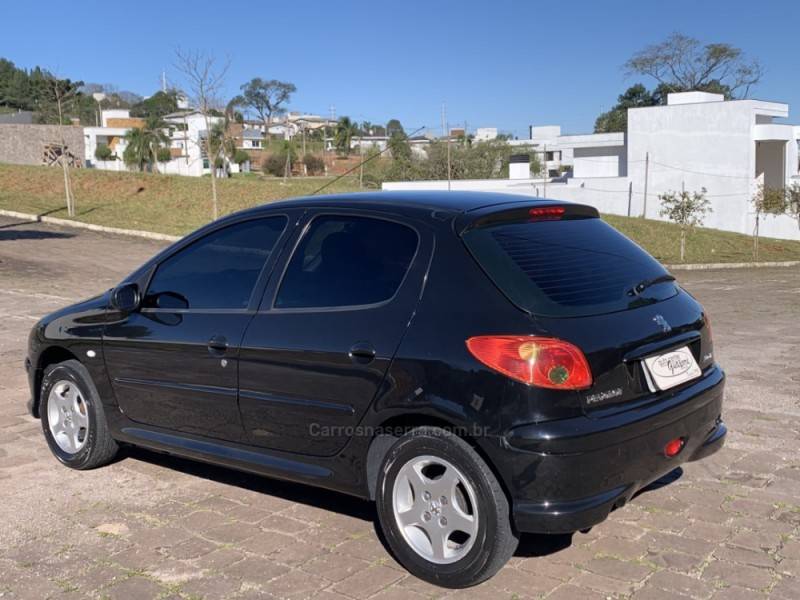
x: 266, y: 98
x: 59, y: 93
x: 345, y: 130
x: 616, y: 119
x: 204, y: 80
x: 768, y: 201
x: 394, y: 127
x: 793, y: 201
x: 159, y: 105
x: 143, y: 145
x: 399, y: 146
x: 683, y: 63
x: 686, y: 209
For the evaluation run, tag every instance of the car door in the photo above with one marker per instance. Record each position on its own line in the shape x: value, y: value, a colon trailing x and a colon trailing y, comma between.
x: 173, y: 362
x: 315, y: 354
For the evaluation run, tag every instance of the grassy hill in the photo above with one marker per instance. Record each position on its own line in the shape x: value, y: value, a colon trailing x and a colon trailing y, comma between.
x: 177, y: 205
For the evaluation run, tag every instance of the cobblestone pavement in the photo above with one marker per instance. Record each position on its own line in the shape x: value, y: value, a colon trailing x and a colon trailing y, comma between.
x: 149, y: 526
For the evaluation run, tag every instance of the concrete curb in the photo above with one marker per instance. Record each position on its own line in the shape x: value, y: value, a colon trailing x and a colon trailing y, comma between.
x: 79, y: 225
x: 172, y: 238
x: 738, y: 265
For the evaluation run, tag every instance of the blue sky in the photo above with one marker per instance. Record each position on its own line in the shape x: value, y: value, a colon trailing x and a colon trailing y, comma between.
x: 500, y: 63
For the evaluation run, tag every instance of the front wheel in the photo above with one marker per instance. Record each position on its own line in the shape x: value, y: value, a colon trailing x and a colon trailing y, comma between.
x: 442, y: 510
x: 73, y: 420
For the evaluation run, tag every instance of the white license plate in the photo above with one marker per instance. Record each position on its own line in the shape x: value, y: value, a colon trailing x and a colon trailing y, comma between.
x: 672, y: 368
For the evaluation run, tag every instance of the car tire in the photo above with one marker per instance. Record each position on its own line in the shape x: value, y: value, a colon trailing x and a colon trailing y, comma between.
x: 414, y: 503
x: 72, y: 416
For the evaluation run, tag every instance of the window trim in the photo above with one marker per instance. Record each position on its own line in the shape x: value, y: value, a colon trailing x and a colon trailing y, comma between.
x: 349, y: 307
x: 258, y: 289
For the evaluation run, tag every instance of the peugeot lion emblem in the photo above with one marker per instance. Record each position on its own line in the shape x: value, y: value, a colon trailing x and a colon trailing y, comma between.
x: 662, y: 322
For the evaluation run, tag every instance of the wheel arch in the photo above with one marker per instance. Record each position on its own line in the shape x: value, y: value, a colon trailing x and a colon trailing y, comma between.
x: 386, y: 434
x: 50, y: 356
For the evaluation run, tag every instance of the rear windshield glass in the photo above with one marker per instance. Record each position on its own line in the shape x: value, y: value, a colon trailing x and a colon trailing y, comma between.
x: 573, y: 267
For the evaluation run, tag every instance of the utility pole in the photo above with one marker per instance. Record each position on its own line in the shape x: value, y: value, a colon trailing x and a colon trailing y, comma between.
x: 544, y: 168
x: 444, y: 118
x: 630, y: 196
x: 646, y: 174
x: 361, y: 166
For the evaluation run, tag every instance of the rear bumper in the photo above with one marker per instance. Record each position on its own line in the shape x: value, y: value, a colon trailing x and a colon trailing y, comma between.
x: 569, y: 475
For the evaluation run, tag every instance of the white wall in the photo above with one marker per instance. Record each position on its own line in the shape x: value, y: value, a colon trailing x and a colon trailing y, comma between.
x: 599, y: 162
x: 694, y: 146
x: 610, y: 195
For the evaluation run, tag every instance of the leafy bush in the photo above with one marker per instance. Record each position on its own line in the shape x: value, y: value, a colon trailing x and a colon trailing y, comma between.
x: 103, y: 152
x: 274, y: 164
x: 164, y: 155
x: 314, y: 164
x: 240, y: 157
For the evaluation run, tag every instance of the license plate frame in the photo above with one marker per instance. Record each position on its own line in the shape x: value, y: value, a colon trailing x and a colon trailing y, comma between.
x: 670, y: 369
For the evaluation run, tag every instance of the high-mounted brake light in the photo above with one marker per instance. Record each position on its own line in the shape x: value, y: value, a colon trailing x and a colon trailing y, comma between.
x: 538, y: 361
x: 546, y: 213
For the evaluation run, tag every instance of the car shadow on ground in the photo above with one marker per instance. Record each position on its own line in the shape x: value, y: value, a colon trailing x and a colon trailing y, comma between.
x: 531, y: 545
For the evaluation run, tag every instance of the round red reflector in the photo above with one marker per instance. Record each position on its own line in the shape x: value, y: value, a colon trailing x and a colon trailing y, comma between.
x: 673, y: 447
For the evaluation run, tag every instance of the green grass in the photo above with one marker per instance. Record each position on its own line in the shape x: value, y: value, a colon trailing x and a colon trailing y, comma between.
x: 662, y: 240
x: 161, y: 203
x: 177, y: 205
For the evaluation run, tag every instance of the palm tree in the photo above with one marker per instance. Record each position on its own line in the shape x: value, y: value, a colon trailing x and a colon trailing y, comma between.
x: 345, y: 130
x: 143, y: 144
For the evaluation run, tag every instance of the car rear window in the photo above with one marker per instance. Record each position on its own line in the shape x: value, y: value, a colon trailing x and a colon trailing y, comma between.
x: 571, y: 267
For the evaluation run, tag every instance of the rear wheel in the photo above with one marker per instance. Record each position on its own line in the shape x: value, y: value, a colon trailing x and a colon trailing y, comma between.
x: 73, y: 420
x: 442, y: 510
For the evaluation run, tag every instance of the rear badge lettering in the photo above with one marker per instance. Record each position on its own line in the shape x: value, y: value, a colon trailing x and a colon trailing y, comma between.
x: 662, y: 323
x: 603, y: 396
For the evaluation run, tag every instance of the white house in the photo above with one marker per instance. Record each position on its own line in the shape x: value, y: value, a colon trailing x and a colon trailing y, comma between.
x: 551, y: 152
x: 485, y: 134
x: 185, y: 129
x: 696, y: 141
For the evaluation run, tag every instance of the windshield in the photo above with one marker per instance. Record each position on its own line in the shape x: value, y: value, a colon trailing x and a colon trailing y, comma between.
x: 571, y: 267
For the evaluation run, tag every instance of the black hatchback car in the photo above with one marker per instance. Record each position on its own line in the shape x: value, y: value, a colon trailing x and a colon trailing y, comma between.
x: 479, y: 365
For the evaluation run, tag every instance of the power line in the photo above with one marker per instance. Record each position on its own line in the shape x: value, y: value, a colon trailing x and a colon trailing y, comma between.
x: 362, y: 163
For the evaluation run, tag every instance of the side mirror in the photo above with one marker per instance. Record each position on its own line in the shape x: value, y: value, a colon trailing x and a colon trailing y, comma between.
x: 126, y: 297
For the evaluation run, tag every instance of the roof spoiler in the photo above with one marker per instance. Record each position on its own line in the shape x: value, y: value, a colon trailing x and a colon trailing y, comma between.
x: 526, y: 213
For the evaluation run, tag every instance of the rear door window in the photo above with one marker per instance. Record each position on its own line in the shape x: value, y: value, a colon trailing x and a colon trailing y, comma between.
x: 347, y: 261
x: 570, y: 267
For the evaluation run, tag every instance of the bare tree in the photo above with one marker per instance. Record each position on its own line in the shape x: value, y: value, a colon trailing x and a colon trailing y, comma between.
x: 204, y: 81
x: 683, y: 63
x: 61, y: 92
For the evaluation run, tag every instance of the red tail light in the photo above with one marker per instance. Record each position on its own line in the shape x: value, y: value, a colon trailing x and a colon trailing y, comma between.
x: 539, y: 361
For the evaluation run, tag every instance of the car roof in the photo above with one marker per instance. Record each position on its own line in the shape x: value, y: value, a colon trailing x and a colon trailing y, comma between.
x: 454, y: 201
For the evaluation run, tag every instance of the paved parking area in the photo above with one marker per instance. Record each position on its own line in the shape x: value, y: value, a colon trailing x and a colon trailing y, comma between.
x: 149, y: 526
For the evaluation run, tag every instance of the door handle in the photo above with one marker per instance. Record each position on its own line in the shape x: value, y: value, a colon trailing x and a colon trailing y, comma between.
x: 217, y: 344
x: 362, y: 352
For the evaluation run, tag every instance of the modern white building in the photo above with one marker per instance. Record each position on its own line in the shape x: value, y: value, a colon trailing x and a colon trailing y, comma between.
x: 546, y: 140
x: 485, y: 134
x: 185, y: 129
x: 696, y: 141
